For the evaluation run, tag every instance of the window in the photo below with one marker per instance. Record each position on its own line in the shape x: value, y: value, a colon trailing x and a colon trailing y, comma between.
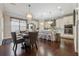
x: 14, y: 25
x: 68, y: 29
x: 22, y: 25
x: 18, y: 25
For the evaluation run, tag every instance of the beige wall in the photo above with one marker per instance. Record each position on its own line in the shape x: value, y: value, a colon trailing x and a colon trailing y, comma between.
x: 75, y: 33
x: 7, y: 26
x: 60, y: 25
x: 1, y: 26
x: 5, y: 29
x: 78, y: 30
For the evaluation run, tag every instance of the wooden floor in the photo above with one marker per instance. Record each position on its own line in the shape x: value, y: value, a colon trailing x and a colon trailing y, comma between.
x: 45, y: 48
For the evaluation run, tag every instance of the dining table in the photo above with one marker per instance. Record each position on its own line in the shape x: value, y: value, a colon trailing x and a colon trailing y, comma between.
x: 26, y: 38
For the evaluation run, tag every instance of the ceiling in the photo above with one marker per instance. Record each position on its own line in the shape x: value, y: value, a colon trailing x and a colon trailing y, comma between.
x: 40, y: 11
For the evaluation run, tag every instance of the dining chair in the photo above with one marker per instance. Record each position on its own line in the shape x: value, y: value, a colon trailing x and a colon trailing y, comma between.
x: 33, y: 36
x: 16, y: 41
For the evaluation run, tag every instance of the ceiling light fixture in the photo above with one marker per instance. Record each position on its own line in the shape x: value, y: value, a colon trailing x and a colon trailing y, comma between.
x: 59, y: 7
x: 61, y: 12
x: 29, y: 14
x: 13, y: 3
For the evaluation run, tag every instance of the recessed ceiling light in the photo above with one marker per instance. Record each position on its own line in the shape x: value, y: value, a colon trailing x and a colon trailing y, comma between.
x: 13, y: 3
x: 59, y: 7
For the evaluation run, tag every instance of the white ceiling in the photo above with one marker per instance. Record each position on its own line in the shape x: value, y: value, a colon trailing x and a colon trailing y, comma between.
x: 40, y: 10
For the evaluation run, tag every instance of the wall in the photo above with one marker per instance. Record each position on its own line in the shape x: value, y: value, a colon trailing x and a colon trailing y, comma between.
x: 7, y: 26
x: 60, y: 25
x: 5, y: 29
x: 1, y: 26
x: 78, y: 30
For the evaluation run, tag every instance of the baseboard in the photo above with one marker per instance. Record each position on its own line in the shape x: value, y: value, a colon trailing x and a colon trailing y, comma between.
x: 67, y: 38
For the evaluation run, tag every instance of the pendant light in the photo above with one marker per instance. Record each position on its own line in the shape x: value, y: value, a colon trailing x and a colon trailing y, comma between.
x: 29, y: 14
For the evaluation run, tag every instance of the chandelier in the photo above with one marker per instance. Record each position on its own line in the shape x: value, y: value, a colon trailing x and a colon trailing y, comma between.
x: 29, y: 14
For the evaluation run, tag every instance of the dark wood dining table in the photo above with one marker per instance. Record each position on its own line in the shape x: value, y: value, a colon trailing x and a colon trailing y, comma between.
x: 26, y: 38
x: 23, y: 35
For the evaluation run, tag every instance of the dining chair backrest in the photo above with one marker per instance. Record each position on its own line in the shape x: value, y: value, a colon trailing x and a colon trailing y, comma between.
x: 33, y: 36
x: 13, y: 34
